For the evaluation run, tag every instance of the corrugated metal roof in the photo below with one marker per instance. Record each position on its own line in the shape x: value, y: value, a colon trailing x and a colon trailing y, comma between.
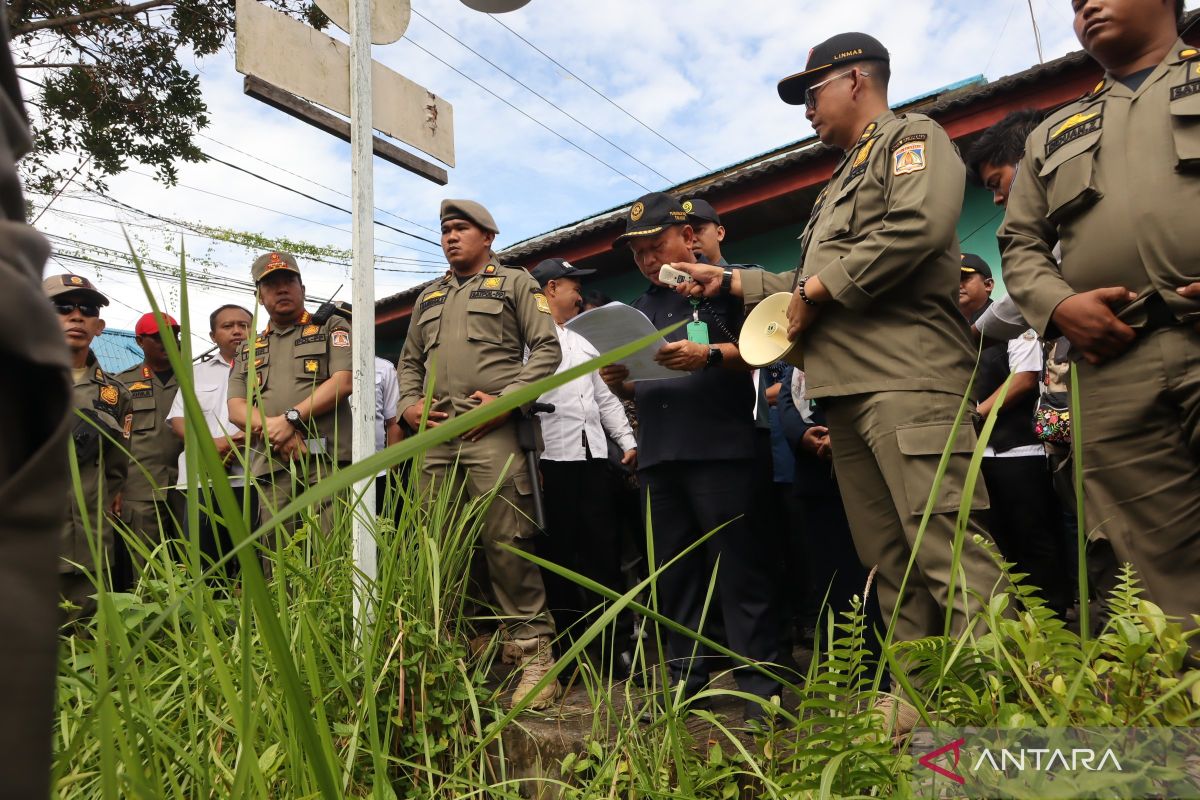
x: 116, y: 350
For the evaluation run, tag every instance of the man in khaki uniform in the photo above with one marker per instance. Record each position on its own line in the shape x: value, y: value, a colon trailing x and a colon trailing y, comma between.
x: 298, y: 376
x: 152, y: 446
x: 885, y: 350
x: 1114, y: 178
x: 101, y: 428
x: 474, y: 326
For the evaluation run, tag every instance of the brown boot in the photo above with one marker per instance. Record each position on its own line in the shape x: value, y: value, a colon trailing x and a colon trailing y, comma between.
x: 536, y: 661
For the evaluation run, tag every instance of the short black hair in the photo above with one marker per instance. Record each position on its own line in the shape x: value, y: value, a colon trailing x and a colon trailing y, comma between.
x: 1179, y: 10
x: 212, y: 318
x: 1004, y: 142
x: 878, y: 70
x: 595, y: 298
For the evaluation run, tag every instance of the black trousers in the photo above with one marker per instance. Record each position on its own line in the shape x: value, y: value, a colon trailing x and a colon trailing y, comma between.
x: 213, y: 534
x: 582, y: 534
x: 1025, y: 521
x: 687, y: 499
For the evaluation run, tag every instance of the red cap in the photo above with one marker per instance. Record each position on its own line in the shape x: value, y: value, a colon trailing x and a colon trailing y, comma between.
x: 149, y: 324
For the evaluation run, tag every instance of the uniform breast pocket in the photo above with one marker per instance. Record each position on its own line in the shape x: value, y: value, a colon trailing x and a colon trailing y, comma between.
x: 256, y: 373
x: 837, y: 220
x: 144, y: 413
x: 430, y: 326
x: 485, y: 320
x: 1185, y: 128
x: 311, y: 361
x: 1070, y: 182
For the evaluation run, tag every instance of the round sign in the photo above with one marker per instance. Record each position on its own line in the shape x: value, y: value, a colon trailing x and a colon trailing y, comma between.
x: 389, y: 18
x: 494, y: 6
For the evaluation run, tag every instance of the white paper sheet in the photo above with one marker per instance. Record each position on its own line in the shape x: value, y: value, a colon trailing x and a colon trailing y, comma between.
x: 616, y: 324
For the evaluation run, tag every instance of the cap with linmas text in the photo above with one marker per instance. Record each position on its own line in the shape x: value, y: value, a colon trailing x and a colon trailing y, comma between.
x: 701, y: 211
x: 650, y: 214
x: 845, y: 48
x: 58, y: 285
x: 470, y: 211
x: 553, y: 269
x: 974, y: 265
x: 267, y: 263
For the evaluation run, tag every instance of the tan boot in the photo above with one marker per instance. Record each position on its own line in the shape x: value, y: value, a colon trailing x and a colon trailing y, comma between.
x: 536, y: 661
x: 899, y: 716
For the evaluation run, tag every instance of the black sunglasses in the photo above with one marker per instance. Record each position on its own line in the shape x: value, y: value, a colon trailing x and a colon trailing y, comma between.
x: 87, y: 309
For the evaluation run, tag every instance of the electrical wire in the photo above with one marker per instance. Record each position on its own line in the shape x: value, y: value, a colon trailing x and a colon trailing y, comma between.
x: 602, y: 95
x: 542, y: 97
x: 528, y: 116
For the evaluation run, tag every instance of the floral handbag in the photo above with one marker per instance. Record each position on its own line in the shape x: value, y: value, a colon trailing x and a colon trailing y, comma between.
x: 1052, y: 417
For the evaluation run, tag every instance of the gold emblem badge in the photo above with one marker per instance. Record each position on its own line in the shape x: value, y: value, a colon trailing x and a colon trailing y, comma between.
x: 493, y: 283
x: 1073, y: 121
x: 636, y: 212
x: 1188, y: 53
x: 75, y: 280
x: 311, y: 330
x: 687, y: 206
x: 866, y: 134
x: 1099, y: 86
x: 139, y: 386
x: 109, y: 395
x: 543, y: 305
x: 311, y: 366
x: 490, y: 269
x: 864, y: 153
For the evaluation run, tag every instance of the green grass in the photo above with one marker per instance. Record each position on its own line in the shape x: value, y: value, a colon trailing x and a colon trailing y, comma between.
x: 277, y: 691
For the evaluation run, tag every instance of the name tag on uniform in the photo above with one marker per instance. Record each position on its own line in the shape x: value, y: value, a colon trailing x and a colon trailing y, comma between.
x: 488, y: 294
x: 320, y: 337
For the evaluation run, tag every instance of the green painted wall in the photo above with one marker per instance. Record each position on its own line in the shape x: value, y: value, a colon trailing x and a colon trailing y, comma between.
x: 779, y: 250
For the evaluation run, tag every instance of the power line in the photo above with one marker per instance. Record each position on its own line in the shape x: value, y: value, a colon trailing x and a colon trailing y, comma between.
x: 602, y: 95
x: 528, y: 116
x: 310, y: 180
x: 541, y: 97
x: 308, y: 196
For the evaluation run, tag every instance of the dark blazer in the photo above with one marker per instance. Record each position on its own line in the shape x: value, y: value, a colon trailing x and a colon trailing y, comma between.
x: 814, y: 477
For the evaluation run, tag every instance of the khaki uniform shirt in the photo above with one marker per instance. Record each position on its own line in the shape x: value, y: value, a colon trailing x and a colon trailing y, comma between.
x: 475, y: 335
x: 882, y: 238
x: 153, y: 446
x: 1115, y: 178
x: 102, y: 475
x: 290, y: 364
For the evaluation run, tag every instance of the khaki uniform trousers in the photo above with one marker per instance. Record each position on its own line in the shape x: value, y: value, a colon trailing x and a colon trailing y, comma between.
x: 886, y: 449
x: 516, y: 583
x: 279, y: 488
x: 1140, y: 430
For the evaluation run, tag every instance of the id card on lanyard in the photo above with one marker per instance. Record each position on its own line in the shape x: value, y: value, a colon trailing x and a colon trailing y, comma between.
x: 697, y: 331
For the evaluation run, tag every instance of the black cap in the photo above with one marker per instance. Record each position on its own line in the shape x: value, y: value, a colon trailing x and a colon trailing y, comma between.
x: 974, y: 265
x: 554, y: 268
x: 701, y: 210
x: 651, y: 214
x: 845, y: 48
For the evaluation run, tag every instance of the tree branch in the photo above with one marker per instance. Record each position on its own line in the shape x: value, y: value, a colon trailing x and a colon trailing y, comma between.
x: 75, y: 19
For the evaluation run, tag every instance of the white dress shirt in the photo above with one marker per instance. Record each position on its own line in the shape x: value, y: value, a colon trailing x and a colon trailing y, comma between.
x: 583, y: 407
x: 211, y: 380
x: 387, y: 397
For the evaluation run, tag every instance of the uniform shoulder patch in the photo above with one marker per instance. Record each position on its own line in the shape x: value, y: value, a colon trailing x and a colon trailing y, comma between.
x: 340, y: 338
x: 908, y: 155
x: 543, y: 304
x: 1076, y: 126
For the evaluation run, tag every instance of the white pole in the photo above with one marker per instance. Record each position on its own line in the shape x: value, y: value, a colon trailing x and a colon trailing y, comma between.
x: 362, y: 284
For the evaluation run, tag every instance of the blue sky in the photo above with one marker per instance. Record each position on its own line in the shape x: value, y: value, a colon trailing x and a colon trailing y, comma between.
x: 702, y: 74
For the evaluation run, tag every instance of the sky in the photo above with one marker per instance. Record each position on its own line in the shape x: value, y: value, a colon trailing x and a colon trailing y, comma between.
x: 701, y: 75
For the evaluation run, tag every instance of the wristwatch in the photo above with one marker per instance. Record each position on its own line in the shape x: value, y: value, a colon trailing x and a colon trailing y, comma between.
x: 715, y: 357
x: 726, y: 280
x: 293, y: 416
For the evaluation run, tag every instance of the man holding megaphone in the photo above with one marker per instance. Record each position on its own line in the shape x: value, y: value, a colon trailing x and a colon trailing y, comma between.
x: 885, y: 350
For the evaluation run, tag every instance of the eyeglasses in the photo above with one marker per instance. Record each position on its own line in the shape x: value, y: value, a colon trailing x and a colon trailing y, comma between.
x: 810, y: 94
x: 87, y: 309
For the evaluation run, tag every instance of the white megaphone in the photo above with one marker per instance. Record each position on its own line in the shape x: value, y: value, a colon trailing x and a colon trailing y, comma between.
x: 764, y: 337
